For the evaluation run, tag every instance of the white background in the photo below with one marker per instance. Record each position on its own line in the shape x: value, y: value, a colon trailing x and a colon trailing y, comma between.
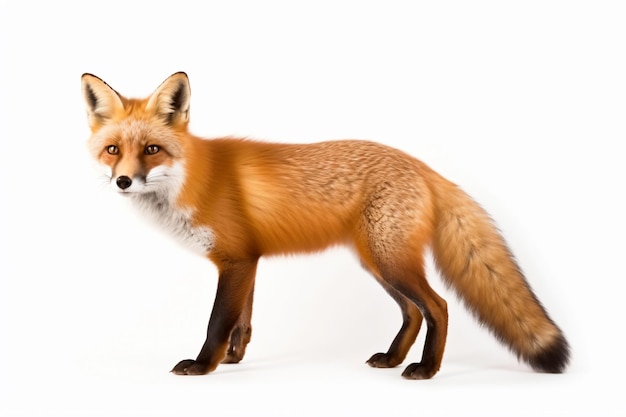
x: 521, y: 103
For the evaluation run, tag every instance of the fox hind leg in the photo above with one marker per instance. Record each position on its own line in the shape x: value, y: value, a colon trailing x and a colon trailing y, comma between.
x: 435, y: 312
x: 417, y: 300
x: 406, y: 282
x: 411, y: 324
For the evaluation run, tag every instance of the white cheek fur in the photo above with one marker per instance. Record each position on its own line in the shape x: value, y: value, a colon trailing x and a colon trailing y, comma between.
x: 163, y: 180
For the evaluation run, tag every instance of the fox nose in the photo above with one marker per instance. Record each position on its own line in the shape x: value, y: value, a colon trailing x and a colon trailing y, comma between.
x: 123, y: 182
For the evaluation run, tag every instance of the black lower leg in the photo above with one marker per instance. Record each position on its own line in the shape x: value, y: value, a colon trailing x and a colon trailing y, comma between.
x: 411, y: 323
x: 233, y: 291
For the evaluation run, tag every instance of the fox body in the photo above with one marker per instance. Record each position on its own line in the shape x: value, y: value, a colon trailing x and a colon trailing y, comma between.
x: 235, y: 200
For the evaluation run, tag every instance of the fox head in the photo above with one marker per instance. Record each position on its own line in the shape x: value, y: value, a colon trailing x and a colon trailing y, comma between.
x: 138, y: 140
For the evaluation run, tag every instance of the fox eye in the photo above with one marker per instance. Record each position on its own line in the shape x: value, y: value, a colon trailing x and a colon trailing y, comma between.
x: 113, y: 150
x: 151, y: 149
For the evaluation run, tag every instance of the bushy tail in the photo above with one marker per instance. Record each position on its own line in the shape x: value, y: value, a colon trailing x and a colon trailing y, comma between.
x: 475, y: 261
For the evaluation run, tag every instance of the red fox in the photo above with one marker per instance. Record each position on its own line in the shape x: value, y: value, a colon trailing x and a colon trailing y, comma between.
x: 234, y: 200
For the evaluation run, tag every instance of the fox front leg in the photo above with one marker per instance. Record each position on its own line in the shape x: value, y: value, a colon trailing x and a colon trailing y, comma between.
x: 234, y: 292
x: 241, y: 334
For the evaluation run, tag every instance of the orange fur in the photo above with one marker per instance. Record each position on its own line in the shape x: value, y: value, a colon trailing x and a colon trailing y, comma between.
x: 236, y: 200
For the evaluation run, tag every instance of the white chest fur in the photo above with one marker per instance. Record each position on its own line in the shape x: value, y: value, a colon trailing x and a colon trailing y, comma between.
x: 176, y: 221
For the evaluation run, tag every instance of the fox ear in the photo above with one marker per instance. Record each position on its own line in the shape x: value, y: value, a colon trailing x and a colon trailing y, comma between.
x: 102, y: 101
x: 170, y: 101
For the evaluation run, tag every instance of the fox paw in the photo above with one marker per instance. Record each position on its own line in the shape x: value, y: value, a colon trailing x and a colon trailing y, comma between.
x: 383, y: 360
x: 239, y: 339
x: 234, y: 356
x: 419, y: 371
x: 190, y: 367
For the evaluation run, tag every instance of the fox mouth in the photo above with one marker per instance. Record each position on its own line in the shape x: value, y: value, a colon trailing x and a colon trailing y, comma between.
x: 125, y: 191
x: 129, y: 193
